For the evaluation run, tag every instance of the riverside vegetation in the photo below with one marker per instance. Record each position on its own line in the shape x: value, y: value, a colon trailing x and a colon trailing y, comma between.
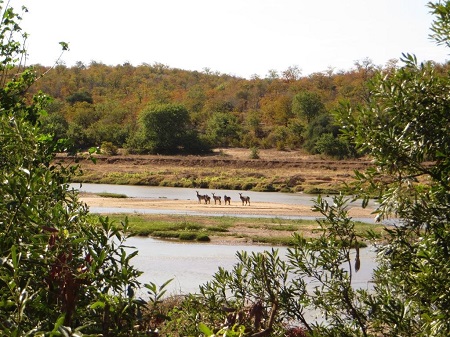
x: 66, y: 272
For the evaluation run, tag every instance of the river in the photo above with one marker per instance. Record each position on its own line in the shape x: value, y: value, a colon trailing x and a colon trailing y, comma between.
x: 193, y: 264
x: 157, y: 192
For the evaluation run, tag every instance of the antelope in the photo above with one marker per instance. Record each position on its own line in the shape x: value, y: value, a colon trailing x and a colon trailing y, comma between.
x: 227, y: 199
x: 201, y: 197
x: 207, y: 199
x: 217, y: 199
x: 244, y: 199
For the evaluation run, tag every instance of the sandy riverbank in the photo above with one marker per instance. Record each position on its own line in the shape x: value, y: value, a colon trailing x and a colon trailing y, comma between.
x: 255, y: 209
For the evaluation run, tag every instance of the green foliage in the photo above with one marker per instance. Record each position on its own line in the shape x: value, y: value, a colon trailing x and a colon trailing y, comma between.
x: 154, y: 313
x: 330, y: 263
x: 84, y: 114
x: 60, y: 272
x: 112, y: 195
x: 203, y: 238
x: 323, y: 124
x: 308, y: 105
x: 187, y: 236
x: 404, y: 129
x: 54, y: 124
x: 254, y: 153
x: 55, y: 264
x: 269, y: 294
x: 81, y: 96
x: 223, y: 129
x: 260, y: 105
x: 441, y: 24
x: 78, y: 137
x: 165, y: 129
x: 332, y: 146
x: 234, y: 331
x: 109, y: 149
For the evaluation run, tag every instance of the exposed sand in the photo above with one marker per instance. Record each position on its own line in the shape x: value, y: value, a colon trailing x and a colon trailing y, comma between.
x: 256, y: 208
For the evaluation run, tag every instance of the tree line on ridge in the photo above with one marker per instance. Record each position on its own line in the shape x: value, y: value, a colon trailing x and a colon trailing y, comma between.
x: 157, y: 109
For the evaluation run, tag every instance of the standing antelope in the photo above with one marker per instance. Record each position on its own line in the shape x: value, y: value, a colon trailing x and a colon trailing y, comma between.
x: 244, y: 199
x: 207, y: 199
x: 227, y: 199
x: 201, y: 197
x: 218, y: 198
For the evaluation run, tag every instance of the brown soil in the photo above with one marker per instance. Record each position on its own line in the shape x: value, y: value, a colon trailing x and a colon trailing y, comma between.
x: 224, y: 169
x: 228, y: 158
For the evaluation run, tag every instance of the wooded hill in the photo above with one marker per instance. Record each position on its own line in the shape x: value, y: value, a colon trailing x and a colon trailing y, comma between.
x: 101, y: 105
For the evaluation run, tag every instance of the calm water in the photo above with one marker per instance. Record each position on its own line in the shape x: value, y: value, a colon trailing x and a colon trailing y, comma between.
x: 179, y: 193
x: 193, y: 264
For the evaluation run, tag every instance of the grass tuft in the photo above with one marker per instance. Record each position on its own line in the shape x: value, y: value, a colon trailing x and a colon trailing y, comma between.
x: 111, y: 195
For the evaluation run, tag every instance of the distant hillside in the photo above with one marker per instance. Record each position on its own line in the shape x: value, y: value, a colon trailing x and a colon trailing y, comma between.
x: 97, y: 104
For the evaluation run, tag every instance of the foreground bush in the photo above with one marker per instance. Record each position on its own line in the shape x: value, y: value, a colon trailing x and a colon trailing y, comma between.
x: 59, y: 273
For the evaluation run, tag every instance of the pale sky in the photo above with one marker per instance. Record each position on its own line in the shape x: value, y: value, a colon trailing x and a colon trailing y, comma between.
x: 237, y: 37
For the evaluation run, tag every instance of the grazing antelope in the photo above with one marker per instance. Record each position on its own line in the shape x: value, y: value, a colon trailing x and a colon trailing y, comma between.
x: 217, y: 199
x: 227, y: 199
x: 201, y: 197
x: 244, y: 199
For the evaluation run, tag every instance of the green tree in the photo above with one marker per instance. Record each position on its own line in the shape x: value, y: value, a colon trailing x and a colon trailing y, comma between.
x: 308, y: 105
x: 320, y: 125
x: 252, y: 129
x: 404, y: 129
x: 223, y: 129
x: 332, y: 146
x: 78, y: 97
x: 166, y: 128
x: 54, y: 124
x: 83, y: 114
x: 62, y: 270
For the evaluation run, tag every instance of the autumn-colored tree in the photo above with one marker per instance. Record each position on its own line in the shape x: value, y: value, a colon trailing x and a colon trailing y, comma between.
x: 277, y: 101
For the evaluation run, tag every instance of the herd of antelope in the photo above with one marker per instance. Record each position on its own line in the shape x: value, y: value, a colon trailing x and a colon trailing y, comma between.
x: 218, y: 199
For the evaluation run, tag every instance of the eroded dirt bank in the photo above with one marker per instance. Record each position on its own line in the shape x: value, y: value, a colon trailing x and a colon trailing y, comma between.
x: 287, y: 171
